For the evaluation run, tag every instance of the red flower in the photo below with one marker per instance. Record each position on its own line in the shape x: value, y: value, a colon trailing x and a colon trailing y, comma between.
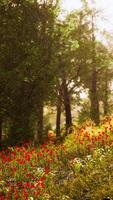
x: 47, y: 170
x: 103, y: 142
x: 42, y: 185
x: 43, y: 178
x: 28, y: 175
x: 81, y: 142
x: 27, y: 184
x: 27, y: 157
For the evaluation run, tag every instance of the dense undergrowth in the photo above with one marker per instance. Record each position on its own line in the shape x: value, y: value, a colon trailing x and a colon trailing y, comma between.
x: 81, y: 168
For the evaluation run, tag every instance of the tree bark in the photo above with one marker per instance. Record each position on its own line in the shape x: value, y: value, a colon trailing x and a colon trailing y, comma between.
x: 105, y: 104
x: 106, y: 95
x: 67, y: 105
x: 39, y: 134
x: 58, y: 119
x: 94, y: 99
x: 0, y: 130
x: 93, y: 93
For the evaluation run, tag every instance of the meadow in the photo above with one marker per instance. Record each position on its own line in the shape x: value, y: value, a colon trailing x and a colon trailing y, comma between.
x: 79, y: 168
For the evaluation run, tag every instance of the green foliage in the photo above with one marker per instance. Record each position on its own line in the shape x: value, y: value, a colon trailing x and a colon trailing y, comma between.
x: 84, y: 113
x: 26, y: 54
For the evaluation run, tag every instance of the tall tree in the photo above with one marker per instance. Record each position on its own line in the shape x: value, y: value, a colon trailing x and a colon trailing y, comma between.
x: 26, y: 54
x: 93, y: 91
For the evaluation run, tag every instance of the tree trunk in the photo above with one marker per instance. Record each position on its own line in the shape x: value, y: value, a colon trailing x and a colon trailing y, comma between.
x: 93, y: 93
x: 58, y: 118
x: 94, y: 99
x: 67, y: 106
x: 39, y: 134
x: 0, y: 130
x: 106, y: 95
x: 20, y: 130
x: 105, y: 104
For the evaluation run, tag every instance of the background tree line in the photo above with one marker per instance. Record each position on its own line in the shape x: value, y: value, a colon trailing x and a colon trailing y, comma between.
x: 43, y: 61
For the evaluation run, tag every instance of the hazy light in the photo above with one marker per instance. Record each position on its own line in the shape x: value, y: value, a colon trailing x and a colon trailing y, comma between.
x: 106, y: 22
x: 70, y: 5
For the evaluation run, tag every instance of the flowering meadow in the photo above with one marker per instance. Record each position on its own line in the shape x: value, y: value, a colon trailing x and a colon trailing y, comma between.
x: 80, y: 168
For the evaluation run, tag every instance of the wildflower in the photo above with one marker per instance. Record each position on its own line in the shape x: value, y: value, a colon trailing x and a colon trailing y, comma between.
x: 27, y: 157
x: 81, y: 142
x: 43, y: 178
x: 42, y: 185
x: 47, y: 170
x: 27, y: 184
x: 31, y: 198
x: 28, y: 175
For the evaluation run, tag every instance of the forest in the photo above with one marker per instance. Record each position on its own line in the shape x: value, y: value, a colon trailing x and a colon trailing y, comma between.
x: 46, y: 61
x: 64, y: 66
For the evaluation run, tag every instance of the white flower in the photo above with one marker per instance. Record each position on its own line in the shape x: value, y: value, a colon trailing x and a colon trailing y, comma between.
x: 31, y: 198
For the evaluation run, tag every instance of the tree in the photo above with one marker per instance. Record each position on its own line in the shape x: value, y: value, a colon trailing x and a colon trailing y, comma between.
x: 92, y: 56
x: 65, y: 65
x: 26, y: 55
